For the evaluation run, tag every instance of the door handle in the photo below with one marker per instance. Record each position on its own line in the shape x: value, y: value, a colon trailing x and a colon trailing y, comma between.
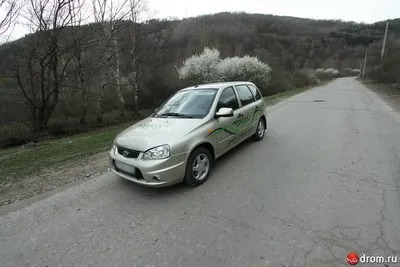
x: 240, y: 115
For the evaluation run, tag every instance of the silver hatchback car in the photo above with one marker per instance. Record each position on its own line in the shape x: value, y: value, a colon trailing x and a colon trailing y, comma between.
x: 181, y: 140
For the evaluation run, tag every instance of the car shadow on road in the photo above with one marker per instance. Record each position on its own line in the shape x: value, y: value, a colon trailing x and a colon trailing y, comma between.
x: 178, y: 189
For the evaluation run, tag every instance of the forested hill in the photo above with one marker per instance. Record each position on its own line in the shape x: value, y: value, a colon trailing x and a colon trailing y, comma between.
x: 287, y: 43
x: 292, y: 42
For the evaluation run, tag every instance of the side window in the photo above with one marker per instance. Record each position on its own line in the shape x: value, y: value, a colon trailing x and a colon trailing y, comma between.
x: 228, y: 99
x: 255, y: 91
x: 245, y: 95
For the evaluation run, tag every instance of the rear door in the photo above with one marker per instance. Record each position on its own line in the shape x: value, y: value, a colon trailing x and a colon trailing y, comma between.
x: 245, y: 113
x: 258, y: 108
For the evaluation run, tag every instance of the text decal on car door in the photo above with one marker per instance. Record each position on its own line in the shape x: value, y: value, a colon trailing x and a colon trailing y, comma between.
x: 241, y: 121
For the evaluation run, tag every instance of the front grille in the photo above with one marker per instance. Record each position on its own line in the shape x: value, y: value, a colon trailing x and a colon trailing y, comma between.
x: 128, y: 153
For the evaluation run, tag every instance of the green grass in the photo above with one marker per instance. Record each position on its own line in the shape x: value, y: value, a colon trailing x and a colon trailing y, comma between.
x: 30, y: 159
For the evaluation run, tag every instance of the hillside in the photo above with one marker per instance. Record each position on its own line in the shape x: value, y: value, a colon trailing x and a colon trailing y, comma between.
x: 287, y: 44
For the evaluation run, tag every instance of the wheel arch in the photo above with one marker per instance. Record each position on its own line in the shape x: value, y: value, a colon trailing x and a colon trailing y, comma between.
x: 265, y: 121
x: 206, y: 145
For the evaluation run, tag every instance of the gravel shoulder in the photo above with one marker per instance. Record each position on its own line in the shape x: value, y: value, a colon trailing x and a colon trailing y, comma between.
x: 34, y: 188
x: 389, y: 94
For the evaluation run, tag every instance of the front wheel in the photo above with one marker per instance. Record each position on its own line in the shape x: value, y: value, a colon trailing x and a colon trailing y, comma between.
x: 198, y: 167
x: 260, y: 131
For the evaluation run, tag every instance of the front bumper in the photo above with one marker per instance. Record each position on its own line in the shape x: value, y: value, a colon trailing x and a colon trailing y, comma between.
x: 152, y: 173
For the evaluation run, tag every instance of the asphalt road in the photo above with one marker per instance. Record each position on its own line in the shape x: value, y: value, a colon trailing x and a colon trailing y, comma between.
x: 324, y: 182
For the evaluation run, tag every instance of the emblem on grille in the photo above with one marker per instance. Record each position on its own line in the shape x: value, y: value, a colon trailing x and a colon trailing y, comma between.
x: 125, y: 153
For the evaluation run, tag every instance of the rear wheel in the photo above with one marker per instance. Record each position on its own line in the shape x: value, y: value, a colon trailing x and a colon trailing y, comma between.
x: 260, y: 131
x: 198, y: 167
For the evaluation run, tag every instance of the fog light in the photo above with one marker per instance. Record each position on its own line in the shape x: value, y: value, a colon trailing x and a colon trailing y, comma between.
x: 156, y: 179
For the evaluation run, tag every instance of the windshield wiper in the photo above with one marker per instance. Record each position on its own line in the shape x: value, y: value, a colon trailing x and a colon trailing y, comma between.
x: 174, y: 114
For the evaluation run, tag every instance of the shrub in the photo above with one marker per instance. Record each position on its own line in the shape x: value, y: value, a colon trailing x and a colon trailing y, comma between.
x: 280, y: 82
x: 313, y: 79
x: 336, y: 73
x: 208, y: 67
x: 326, y: 75
x: 244, y: 69
x: 201, y: 68
x: 349, y: 72
x: 304, y: 77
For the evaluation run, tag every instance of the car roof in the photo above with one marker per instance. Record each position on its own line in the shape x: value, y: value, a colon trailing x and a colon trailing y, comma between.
x: 220, y: 85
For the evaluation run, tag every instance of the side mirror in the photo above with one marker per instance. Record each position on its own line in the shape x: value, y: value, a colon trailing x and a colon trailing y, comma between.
x: 224, y: 112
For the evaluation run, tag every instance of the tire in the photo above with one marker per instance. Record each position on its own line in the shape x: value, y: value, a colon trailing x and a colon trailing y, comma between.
x: 260, y: 130
x: 194, y: 178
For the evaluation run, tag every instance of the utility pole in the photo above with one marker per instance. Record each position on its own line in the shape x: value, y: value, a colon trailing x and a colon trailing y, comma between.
x: 384, y: 40
x: 365, y: 64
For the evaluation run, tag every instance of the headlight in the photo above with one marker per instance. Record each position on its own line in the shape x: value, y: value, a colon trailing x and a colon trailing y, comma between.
x: 160, y: 152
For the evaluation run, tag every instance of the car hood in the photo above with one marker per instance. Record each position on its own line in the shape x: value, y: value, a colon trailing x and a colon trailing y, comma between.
x: 152, y: 132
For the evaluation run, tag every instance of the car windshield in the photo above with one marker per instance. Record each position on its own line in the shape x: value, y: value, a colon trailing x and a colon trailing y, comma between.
x: 188, y: 104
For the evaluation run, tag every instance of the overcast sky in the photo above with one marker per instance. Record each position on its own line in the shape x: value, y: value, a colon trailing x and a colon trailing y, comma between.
x: 355, y: 10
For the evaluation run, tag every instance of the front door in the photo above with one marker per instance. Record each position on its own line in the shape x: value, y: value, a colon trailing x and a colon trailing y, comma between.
x: 227, y: 129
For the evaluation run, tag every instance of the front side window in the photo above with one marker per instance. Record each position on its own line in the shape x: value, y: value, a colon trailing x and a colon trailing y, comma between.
x: 228, y: 99
x: 245, y: 95
x: 188, y: 104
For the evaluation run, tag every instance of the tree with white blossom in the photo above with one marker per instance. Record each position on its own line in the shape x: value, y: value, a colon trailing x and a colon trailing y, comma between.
x: 244, y: 69
x: 201, y: 68
x: 327, y: 74
x: 208, y: 67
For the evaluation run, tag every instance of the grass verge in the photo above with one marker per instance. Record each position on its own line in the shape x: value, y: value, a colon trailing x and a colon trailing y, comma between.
x: 389, y: 92
x: 33, y: 158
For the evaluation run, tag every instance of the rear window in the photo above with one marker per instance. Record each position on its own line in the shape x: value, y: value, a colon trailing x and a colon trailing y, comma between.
x: 255, y: 92
x: 245, y: 95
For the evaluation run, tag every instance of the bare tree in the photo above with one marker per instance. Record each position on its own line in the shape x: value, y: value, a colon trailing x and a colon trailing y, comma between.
x: 10, y: 10
x: 137, y: 8
x: 82, y: 71
x: 45, y: 55
x: 110, y: 16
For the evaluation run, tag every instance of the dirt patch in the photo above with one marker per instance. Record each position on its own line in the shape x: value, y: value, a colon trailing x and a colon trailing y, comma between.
x: 387, y: 92
x: 52, y: 179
